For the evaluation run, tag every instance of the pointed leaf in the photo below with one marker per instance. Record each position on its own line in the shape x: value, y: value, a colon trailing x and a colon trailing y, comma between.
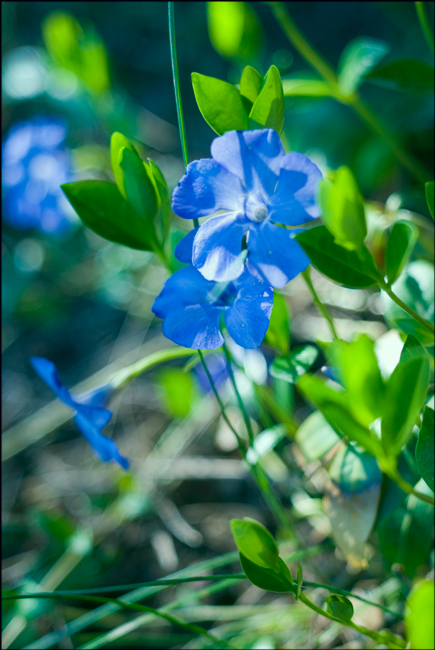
x: 250, y: 85
x: 267, y: 579
x: 400, y: 245
x: 424, y: 452
x: 101, y: 207
x: 339, y: 264
x: 255, y: 542
x: 220, y: 104
x: 164, y: 197
x: 268, y: 109
x: 139, y: 185
x: 118, y: 142
x: 357, y: 59
x: 339, y: 606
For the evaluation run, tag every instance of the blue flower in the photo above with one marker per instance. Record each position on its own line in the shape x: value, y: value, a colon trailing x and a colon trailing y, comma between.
x: 217, y: 367
x: 192, y: 306
x: 33, y: 167
x: 90, y: 416
x: 252, y: 184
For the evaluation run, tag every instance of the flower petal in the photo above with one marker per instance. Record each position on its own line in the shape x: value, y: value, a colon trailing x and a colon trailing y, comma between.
x: 185, y: 287
x: 293, y: 201
x: 195, y: 326
x: 273, y: 256
x: 183, y: 250
x: 253, y: 156
x: 217, y: 247
x: 248, y: 317
x: 105, y: 448
x: 205, y: 188
x: 48, y: 373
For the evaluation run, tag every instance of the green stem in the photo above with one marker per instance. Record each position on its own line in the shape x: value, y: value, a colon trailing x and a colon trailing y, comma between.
x: 316, y: 61
x: 424, y: 323
x: 124, y: 376
x: 407, y: 487
x: 321, y: 307
x: 376, y: 636
x: 239, y: 399
x: 425, y: 25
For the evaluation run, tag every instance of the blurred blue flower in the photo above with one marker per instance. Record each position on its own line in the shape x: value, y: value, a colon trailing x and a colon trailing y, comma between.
x: 90, y: 416
x: 217, y: 367
x: 34, y: 164
x: 191, y: 306
x: 254, y: 184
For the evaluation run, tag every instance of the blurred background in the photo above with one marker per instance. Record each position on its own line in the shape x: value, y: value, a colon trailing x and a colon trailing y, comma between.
x: 73, y: 73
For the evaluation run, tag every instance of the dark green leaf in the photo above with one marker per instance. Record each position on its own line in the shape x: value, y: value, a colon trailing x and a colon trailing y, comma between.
x: 416, y: 288
x: 101, y: 207
x: 220, y: 104
x: 400, y: 245
x: 357, y: 59
x: 300, y: 580
x: 296, y: 364
x: 406, y: 536
x: 268, y: 108
x: 407, y: 75
x: 339, y: 606
x: 250, y: 86
x: 266, y: 578
x: 343, y: 210
x: 278, y: 333
x: 405, y: 394
x: 316, y: 437
x: 429, y: 190
x: 424, y: 452
x: 164, y: 196
x: 255, y: 542
x: 337, y: 263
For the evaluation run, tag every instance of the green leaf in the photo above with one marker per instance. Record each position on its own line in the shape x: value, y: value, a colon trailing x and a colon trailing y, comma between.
x: 268, y: 109
x: 337, y: 263
x: 357, y: 59
x: 278, y: 332
x: 334, y: 406
x: 407, y: 75
x: 178, y: 391
x: 250, y: 85
x: 139, y: 186
x: 266, y: 578
x: 406, y: 536
x: 424, y: 452
x: 400, y: 245
x: 234, y: 29
x: 339, y: 606
x: 300, y: 580
x: 343, y: 210
x: 306, y: 87
x: 295, y: 365
x: 429, y: 190
x: 315, y: 437
x: 419, y: 620
x: 351, y: 501
x: 117, y: 143
x: 358, y: 368
x: 255, y: 542
x: 405, y: 395
x: 265, y: 442
x: 164, y: 197
x: 220, y: 104
x: 101, y: 207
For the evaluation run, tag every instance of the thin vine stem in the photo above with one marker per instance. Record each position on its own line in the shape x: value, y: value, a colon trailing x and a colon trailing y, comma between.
x: 407, y: 487
x: 319, y: 304
x: 424, y: 323
x: 425, y: 24
x: 316, y: 61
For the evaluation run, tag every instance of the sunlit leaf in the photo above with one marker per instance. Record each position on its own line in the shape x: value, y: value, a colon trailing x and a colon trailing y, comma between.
x: 264, y: 578
x: 178, y: 391
x: 357, y: 59
x: 220, y: 104
x: 164, y: 197
x: 400, y: 245
x: 255, y: 542
x: 306, y: 87
x: 268, y: 108
x: 419, y: 619
x: 234, y: 29
x: 250, y: 85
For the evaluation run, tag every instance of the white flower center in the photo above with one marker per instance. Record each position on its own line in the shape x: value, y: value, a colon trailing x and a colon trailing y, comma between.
x: 255, y: 208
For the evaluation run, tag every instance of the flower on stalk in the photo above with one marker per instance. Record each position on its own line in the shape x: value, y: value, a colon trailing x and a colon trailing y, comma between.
x: 90, y: 416
x: 252, y: 185
x: 34, y: 165
x: 192, y: 306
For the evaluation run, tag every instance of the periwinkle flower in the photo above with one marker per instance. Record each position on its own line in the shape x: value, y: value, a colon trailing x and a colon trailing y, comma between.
x: 34, y: 164
x: 218, y: 370
x: 252, y: 184
x: 90, y: 415
x: 192, y: 306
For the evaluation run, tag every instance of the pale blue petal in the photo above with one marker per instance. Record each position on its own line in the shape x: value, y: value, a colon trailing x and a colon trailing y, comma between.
x: 273, y: 256
x: 194, y: 326
x: 293, y: 201
x: 254, y: 156
x: 248, y: 317
x: 217, y: 247
x: 183, y: 250
x: 205, y: 188
x: 105, y: 448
